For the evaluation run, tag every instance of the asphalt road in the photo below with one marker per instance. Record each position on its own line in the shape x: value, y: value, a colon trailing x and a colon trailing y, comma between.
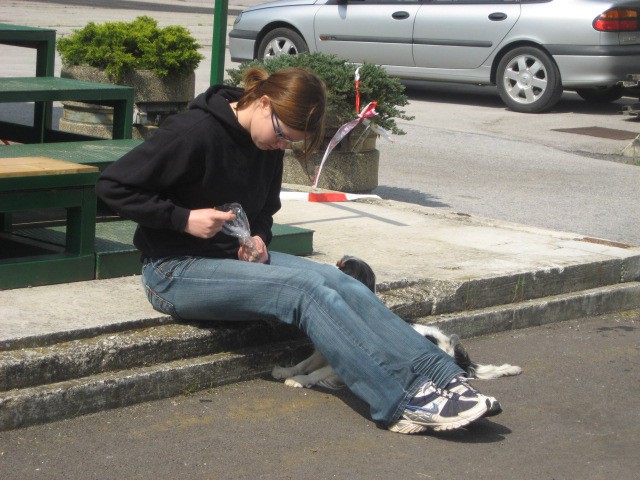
x: 465, y: 152
x: 572, y: 414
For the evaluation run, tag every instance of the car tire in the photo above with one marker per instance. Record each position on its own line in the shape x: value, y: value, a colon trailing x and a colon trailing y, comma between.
x: 601, y: 95
x: 281, y: 41
x: 528, y: 80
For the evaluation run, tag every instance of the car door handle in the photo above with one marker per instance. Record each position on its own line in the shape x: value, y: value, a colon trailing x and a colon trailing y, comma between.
x: 401, y: 15
x: 497, y: 16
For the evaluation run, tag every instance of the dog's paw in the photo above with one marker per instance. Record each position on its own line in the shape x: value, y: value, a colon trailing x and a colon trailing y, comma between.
x: 491, y: 372
x: 509, y: 370
x: 292, y: 382
x: 300, y: 381
x: 281, y: 373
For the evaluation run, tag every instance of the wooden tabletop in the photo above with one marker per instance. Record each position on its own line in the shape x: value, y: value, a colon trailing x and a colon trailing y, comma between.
x: 32, y: 166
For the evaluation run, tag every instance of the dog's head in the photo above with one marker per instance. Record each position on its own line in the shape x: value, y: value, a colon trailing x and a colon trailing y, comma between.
x: 461, y: 356
x: 358, y: 269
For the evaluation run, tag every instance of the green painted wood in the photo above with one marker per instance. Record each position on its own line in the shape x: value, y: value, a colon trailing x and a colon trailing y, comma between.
x: 29, y: 272
x: 98, y: 153
x: 292, y: 240
x: 42, y: 39
x: 34, y: 89
x: 116, y: 256
x: 40, y: 199
x: 15, y: 247
x: 48, y: 89
x: 28, y: 261
x: 24, y: 185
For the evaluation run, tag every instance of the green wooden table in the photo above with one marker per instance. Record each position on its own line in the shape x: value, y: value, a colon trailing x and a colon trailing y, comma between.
x: 43, y: 40
x: 99, y: 153
x: 36, y: 183
x: 48, y: 89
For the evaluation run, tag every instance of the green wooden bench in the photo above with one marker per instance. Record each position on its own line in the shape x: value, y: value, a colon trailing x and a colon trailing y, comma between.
x: 37, y: 183
x: 98, y: 153
x: 49, y: 89
x: 43, y: 89
x: 43, y: 40
x: 116, y: 256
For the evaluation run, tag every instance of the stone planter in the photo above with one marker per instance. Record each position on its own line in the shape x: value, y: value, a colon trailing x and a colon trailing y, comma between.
x: 155, y: 98
x: 343, y: 171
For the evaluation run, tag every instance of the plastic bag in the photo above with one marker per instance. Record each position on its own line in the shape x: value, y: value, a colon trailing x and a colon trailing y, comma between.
x: 239, y: 227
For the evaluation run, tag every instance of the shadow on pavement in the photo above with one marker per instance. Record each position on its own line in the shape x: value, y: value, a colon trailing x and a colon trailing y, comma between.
x: 409, y: 195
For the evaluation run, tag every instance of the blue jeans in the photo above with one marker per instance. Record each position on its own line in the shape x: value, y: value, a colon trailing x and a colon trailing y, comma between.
x: 377, y: 354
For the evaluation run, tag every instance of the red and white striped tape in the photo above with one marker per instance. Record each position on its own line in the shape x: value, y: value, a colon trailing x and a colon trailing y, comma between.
x: 323, y: 197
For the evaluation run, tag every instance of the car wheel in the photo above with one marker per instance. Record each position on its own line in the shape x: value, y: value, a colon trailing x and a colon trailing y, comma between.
x: 528, y: 80
x: 601, y: 94
x: 281, y: 41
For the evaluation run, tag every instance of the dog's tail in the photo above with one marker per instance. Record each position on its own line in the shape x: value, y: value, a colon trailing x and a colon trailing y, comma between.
x: 489, y: 372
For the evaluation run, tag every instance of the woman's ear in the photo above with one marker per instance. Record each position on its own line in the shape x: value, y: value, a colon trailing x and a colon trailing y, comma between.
x: 265, y: 104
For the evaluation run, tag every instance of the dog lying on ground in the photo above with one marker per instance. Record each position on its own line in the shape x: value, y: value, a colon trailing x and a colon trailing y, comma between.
x: 316, y: 371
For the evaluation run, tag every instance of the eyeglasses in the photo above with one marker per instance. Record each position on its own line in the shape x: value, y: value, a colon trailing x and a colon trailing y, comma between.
x: 277, y: 129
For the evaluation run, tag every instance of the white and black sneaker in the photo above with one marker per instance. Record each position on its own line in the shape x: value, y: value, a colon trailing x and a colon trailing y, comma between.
x: 438, y: 409
x: 460, y: 386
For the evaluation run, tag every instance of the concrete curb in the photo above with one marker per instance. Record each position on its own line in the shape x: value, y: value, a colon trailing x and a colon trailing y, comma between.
x: 533, y: 313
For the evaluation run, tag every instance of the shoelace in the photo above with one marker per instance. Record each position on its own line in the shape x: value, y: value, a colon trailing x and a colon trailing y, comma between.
x: 439, y: 391
x: 463, y: 382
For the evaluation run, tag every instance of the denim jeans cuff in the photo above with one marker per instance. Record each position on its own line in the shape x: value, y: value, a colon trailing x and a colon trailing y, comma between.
x: 411, y: 392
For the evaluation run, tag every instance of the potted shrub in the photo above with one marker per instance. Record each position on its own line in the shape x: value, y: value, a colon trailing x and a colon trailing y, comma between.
x: 345, y: 169
x: 159, y: 63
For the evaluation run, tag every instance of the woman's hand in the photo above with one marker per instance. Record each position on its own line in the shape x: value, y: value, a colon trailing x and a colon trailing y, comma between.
x: 254, y: 251
x: 206, y: 222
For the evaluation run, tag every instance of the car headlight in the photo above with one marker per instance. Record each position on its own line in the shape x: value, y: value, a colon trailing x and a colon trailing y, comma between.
x: 238, y: 18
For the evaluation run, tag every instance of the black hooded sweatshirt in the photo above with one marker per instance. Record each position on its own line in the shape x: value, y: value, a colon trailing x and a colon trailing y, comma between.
x: 201, y: 158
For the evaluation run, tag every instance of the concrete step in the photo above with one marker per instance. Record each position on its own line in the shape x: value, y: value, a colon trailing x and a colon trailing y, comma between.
x: 152, y: 345
x: 68, y: 378
x: 55, y: 401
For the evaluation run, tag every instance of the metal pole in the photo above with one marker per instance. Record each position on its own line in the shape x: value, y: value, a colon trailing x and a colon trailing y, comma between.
x: 219, y: 41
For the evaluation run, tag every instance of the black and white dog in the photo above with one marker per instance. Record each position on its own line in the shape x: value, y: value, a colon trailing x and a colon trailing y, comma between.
x: 316, y: 371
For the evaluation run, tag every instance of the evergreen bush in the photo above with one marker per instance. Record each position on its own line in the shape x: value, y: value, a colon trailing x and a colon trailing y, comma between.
x: 118, y: 47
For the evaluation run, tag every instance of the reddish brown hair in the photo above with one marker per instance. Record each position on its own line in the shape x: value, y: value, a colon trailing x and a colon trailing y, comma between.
x: 298, y: 98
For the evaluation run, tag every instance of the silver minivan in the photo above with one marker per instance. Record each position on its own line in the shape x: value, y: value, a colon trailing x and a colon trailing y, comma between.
x: 529, y: 49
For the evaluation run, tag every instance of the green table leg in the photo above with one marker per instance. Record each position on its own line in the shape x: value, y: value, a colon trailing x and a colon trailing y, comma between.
x: 81, y: 224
